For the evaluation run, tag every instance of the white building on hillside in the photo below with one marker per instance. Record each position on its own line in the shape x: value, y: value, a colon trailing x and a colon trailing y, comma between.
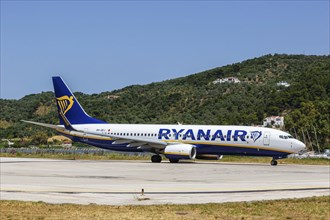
x: 283, y: 83
x: 227, y: 80
x: 274, y: 121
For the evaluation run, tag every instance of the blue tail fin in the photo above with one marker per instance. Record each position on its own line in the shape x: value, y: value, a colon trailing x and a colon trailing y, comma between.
x: 69, y: 109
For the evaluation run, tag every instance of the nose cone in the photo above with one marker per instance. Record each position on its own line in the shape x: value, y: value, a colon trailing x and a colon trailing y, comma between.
x: 299, y: 146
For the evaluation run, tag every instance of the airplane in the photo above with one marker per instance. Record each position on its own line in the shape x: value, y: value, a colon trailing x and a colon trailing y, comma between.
x: 175, y: 141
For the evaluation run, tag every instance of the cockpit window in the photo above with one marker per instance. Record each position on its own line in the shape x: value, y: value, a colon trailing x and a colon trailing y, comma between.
x: 290, y: 136
x: 281, y: 136
x: 285, y: 136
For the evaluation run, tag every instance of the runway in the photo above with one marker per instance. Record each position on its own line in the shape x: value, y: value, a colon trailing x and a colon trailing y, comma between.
x: 121, y: 182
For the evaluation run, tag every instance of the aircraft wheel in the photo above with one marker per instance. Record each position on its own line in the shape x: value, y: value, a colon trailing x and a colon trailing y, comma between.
x: 174, y: 160
x: 156, y: 158
x: 273, y: 163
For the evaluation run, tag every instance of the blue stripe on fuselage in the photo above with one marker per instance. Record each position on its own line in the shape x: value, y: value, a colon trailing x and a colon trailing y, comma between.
x: 237, y: 150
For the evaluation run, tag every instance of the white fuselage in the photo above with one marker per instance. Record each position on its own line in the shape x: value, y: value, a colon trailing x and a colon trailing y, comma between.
x: 209, y: 139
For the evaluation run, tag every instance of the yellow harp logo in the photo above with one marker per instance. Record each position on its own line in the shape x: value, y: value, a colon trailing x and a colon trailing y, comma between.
x: 65, y: 103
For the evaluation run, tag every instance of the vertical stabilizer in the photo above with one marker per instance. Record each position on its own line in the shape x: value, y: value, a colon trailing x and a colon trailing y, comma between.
x: 69, y: 109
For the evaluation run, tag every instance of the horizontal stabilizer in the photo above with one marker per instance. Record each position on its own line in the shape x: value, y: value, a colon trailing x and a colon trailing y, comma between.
x: 44, y: 124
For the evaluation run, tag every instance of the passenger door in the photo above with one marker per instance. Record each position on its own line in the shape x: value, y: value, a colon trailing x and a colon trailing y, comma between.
x: 266, y: 138
x: 85, y: 137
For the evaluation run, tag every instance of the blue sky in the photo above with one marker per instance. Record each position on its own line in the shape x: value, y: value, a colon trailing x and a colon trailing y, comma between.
x: 100, y: 46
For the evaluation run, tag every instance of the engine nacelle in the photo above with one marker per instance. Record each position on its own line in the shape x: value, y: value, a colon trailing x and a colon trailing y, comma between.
x: 180, y: 151
x: 209, y: 157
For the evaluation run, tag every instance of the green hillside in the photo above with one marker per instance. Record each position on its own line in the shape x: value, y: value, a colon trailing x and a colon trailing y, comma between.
x: 194, y: 99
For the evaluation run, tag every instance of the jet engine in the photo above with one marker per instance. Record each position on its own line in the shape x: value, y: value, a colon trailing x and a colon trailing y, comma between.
x: 177, y: 152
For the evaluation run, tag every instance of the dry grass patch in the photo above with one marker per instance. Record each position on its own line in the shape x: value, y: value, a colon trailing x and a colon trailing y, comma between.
x: 306, y: 208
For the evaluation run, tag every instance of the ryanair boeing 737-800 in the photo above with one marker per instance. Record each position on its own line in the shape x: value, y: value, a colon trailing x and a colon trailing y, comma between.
x: 176, y: 142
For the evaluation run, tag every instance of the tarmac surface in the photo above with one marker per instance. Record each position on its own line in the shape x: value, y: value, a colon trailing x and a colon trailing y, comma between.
x: 121, y: 182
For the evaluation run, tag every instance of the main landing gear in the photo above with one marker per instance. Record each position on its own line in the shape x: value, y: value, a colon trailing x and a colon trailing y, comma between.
x: 156, y: 158
x: 174, y: 160
x: 273, y: 162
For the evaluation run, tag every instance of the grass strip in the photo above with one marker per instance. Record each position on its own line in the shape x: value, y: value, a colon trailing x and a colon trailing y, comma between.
x: 305, y: 208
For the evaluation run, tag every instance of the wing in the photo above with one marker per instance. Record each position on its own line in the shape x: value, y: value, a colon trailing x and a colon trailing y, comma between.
x: 141, y: 142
